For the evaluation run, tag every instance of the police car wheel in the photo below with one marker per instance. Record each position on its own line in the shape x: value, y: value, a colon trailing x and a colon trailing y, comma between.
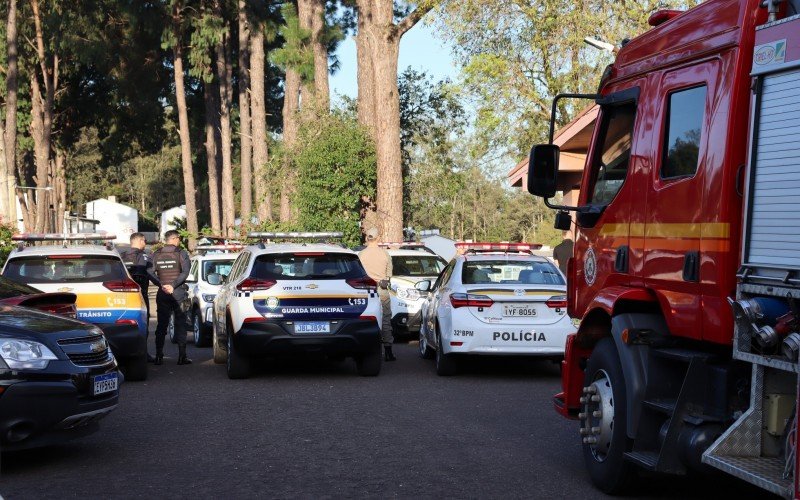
x: 200, y: 335
x: 238, y: 366
x: 446, y: 364
x: 425, y: 351
x: 220, y: 355
x: 369, y: 365
x: 604, y: 421
x: 171, y: 330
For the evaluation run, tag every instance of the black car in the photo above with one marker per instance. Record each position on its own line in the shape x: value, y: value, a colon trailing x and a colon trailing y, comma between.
x: 58, y: 378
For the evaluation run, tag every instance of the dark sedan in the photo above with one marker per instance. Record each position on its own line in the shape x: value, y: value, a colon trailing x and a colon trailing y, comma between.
x: 13, y: 293
x: 58, y: 378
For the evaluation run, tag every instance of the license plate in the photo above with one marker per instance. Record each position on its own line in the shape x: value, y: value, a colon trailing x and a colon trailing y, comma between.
x: 105, y: 383
x: 312, y: 327
x: 519, y: 311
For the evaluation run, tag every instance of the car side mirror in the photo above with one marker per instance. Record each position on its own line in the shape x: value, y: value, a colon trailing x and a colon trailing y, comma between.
x: 543, y: 170
x: 423, y: 286
x: 215, y: 279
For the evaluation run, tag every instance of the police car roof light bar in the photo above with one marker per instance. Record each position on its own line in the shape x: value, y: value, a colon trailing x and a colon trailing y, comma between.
x: 485, y: 247
x: 407, y: 245
x: 220, y: 248
x: 62, y: 237
x: 297, y: 235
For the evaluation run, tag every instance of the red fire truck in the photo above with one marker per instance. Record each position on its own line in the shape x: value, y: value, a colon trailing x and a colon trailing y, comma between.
x: 686, y: 268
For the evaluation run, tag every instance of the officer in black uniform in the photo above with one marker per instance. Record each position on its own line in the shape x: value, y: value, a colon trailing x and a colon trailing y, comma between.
x: 169, y: 272
x: 139, y: 261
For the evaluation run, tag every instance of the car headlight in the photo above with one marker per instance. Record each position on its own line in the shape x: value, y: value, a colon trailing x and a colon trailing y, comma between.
x: 208, y: 297
x: 25, y: 354
x: 407, y: 293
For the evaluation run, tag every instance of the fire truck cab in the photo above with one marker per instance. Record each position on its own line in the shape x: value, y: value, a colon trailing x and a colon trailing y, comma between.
x: 686, y: 265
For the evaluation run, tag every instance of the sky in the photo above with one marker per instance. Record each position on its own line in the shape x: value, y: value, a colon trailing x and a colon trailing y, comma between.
x: 418, y: 48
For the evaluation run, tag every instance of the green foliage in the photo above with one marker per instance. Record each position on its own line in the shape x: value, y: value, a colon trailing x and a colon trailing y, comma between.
x: 336, y: 172
x: 6, y: 245
x: 517, y: 55
x: 296, y: 52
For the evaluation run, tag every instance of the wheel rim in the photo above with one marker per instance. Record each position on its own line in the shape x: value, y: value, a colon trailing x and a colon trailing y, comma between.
x: 423, y: 343
x: 230, y: 350
x: 196, y: 329
x: 597, y: 417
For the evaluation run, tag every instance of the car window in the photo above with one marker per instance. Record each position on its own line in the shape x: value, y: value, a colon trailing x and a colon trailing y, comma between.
x: 65, y: 269
x: 445, y: 276
x: 193, y: 271
x: 512, y: 272
x: 307, y: 265
x: 222, y: 267
x: 417, y: 265
x: 610, y: 165
x: 239, y: 266
x: 681, y: 148
x: 10, y: 288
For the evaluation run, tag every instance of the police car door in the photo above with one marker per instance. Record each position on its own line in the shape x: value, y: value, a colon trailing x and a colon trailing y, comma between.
x: 442, y: 291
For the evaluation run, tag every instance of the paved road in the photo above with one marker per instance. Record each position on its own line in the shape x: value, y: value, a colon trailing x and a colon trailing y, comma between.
x: 313, y: 431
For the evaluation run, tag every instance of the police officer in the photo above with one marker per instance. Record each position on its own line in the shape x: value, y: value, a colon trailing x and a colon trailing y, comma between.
x: 169, y: 272
x: 378, y: 265
x: 138, y: 261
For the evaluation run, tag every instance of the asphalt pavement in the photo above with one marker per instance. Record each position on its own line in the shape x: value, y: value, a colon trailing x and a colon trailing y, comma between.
x: 318, y: 430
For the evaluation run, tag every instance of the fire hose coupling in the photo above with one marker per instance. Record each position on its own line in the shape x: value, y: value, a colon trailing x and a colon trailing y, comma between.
x: 791, y: 346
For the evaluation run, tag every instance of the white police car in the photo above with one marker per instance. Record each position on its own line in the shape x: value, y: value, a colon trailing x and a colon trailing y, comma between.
x: 209, y: 268
x: 496, y: 299
x: 297, y: 299
x: 106, y: 295
x: 411, y: 263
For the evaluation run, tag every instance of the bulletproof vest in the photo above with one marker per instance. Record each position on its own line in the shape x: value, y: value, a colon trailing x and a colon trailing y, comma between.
x: 167, y: 263
x: 134, y: 260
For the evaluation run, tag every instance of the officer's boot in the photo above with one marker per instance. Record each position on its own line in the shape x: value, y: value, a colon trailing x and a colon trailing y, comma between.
x: 182, y: 359
x: 159, y: 359
x: 388, y: 355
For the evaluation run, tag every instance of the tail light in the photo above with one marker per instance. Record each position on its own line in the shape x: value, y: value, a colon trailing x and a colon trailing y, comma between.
x: 365, y: 283
x: 470, y: 300
x: 557, y: 302
x: 127, y: 322
x: 255, y: 284
x: 68, y: 310
x: 125, y: 285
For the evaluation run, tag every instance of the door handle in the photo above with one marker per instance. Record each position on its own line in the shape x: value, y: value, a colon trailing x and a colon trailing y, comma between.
x: 621, y: 260
x: 691, y: 266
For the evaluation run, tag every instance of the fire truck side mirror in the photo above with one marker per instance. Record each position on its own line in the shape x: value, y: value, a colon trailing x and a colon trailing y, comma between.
x: 543, y: 170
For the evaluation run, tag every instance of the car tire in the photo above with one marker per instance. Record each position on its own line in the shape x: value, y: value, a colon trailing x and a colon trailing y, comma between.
x: 446, y: 364
x: 605, y: 462
x: 171, y: 329
x: 425, y: 351
x: 369, y: 365
x: 135, y: 369
x: 238, y: 366
x: 220, y: 354
x: 200, y: 331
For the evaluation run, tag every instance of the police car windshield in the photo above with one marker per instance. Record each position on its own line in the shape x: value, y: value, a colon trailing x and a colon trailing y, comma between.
x: 413, y: 265
x: 512, y: 272
x: 65, y: 269
x: 222, y: 267
x: 307, y: 265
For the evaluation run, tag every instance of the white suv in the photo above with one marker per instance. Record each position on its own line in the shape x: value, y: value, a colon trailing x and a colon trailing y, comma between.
x: 297, y: 299
x: 209, y: 268
x: 411, y: 263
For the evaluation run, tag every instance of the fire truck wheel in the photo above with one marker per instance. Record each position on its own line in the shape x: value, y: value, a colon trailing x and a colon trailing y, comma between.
x: 603, y: 421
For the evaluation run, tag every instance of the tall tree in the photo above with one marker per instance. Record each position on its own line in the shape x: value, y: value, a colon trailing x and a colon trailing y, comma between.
x: 378, y: 92
x: 224, y: 71
x: 245, y: 139
x: 263, y: 197
x: 9, y: 135
x: 177, y: 25
x: 320, y: 39
x: 213, y: 153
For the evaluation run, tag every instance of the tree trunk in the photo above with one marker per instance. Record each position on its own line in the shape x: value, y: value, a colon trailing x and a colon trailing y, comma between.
x: 60, y: 190
x: 379, y: 103
x: 245, y: 141
x: 225, y: 93
x: 263, y: 198
x: 213, y: 158
x: 9, y: 138
x: 320, y: 50
x: 186, y: 147
x: 365, y: 74
x: 291, y: 105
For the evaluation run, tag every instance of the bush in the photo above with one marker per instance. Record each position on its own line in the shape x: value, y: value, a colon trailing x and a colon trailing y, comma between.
x: 335, y: 162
